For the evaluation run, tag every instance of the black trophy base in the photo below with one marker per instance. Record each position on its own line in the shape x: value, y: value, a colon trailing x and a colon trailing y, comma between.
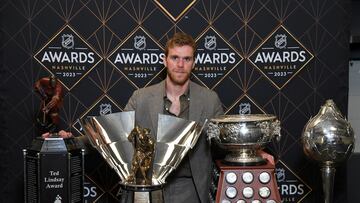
x: 54, y: 171
x: 141, y: 193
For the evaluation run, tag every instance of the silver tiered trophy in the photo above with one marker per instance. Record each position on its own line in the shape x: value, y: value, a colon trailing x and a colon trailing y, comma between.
x: 111, y: 135
x: 247, y: 174
x: 243, y: 136
x: 329, y: 139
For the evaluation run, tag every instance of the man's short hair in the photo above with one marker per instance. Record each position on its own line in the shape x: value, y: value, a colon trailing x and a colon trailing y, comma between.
x: 180, y: 39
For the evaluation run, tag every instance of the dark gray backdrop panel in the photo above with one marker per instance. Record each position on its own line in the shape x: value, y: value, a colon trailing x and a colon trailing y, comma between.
x: 235, y: 28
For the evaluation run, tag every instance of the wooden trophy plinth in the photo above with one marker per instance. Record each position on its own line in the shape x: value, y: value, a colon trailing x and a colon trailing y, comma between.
x: 247, y: 184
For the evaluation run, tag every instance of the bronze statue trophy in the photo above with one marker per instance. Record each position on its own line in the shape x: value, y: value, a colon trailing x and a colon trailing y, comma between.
x: 143, y: 145
x: 50, y: 91
x: 142, y: 160
x: 54, y: 163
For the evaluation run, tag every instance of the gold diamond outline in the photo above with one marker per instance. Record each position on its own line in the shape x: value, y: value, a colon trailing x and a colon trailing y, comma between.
x: 226, y: 42
x: 122, y: 43
x: 170, y: 15
x: 112, y: 188
x: 92, y: 106
x: 103, y: 191
x: 240, y: 98
x: 92, y: 49
x: 264, y: 41
x: 310, y: 189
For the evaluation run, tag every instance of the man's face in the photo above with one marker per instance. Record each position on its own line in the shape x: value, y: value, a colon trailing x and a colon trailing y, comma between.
x: 179, y: 63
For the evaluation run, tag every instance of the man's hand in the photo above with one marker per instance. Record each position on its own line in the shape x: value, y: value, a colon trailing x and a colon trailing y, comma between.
x: 41, y: 93
x: 51, y: 104
x: 61, y: 133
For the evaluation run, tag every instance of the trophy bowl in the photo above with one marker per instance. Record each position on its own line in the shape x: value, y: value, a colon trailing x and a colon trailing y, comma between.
x: 142, y: 160
x: 243, y: 136
x: 328, y: 137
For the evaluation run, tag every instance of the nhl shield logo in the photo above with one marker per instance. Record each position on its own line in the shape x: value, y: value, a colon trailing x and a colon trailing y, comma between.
x: 105, y: 109
x: 67, y: 41
x: 280, y: 174
x: 210, y: 42
x: 140, y: 42
x: 280, y: 41
x: 244, y: 108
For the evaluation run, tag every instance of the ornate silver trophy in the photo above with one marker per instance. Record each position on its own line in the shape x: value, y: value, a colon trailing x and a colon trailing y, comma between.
x: 329, y: 139
x: 243, y: 136
x: 143, y: 161
x: 242, y: 172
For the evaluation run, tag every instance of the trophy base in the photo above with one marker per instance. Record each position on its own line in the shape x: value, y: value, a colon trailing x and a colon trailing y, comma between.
x: 259, y: 183
x: 141, y: 193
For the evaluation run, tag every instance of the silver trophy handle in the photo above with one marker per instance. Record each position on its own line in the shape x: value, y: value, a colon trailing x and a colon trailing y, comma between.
x: 277, y: 130
x: 213, y: 131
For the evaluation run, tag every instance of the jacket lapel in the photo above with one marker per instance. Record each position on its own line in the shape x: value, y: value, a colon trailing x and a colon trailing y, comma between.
x: 156, y: 104
x: 196, y: 108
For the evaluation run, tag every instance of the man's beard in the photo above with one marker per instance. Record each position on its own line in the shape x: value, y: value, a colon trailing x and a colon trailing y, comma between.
x: 176, y: 81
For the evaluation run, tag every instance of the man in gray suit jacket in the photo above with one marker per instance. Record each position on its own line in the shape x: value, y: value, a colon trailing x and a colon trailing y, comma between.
x: 178, y: 96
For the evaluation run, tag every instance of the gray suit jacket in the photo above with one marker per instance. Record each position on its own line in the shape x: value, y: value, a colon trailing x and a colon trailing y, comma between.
x: 204, y: 104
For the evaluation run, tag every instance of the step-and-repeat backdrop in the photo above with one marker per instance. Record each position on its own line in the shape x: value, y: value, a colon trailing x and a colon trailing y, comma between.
x: 282, y: 57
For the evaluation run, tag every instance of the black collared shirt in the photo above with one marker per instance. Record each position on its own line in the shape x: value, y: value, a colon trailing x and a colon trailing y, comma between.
x: 184, y: 106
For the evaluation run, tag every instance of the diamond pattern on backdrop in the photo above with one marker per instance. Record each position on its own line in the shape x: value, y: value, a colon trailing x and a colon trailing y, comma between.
x: 139, y: 58
x: 293, y: 188
x: 280, y: 57
x: 174, y: 11
x: 245, y: 105
x: 214, y: 59
x: 243, y: 26
x: 68, y: 57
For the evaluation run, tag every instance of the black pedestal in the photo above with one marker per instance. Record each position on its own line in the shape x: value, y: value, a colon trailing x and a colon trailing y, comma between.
x: 141, y: 193
x: 54, y: 171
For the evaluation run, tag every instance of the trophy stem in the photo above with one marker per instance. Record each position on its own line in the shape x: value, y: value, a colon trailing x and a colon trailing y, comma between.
x: 244, y: 157
x: 328, y: 175
x: 141, y: 193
